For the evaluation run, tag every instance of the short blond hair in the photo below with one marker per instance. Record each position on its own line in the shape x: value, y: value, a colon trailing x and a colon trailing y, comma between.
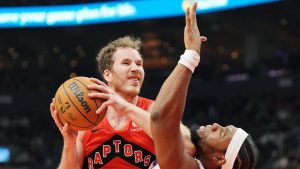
x: 105, y: 59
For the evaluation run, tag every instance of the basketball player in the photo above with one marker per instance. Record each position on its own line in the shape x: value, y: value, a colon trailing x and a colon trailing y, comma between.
x: 116, y: 142
x: 123, y: 138
x: 217, y: 146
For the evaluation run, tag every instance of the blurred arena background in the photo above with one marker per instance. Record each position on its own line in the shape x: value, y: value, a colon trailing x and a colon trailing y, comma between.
x: 249, y: 76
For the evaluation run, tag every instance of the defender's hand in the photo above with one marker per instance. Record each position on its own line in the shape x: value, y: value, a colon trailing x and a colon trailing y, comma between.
x: 192, y: 38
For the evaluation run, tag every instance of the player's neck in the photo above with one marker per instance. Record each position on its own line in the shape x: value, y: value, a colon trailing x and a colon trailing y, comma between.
x: 119, y: 120
x: 116, y: 120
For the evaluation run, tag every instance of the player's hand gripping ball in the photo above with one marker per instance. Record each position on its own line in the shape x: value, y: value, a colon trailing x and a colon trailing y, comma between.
x: 75, y: 107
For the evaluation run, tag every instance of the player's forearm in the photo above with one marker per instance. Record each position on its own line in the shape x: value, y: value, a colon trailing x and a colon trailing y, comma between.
x: 170, y: 102
x: 166, y: 115
x: 69, y: 158
x: 140, y: 117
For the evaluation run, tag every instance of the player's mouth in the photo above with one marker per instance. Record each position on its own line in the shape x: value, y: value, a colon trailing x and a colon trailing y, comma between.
x: 134, y: 79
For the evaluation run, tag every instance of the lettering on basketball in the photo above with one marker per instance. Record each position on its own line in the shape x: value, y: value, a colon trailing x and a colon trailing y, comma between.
x: 64, y: 107
x: 79, y: 95
x: 70, y: 116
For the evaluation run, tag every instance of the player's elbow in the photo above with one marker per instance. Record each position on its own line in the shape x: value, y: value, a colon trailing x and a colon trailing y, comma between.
x: 156, y: 116
x: 164, y: 111
x: 158, y: 113
x: 161, y: 112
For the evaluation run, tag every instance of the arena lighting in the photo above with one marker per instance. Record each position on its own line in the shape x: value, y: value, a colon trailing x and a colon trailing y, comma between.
x: 237, y: 77
x: 105, y: 12
x: 6, y: 99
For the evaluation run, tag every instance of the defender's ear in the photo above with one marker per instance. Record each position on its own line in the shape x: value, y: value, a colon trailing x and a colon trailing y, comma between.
x: 219, y: 159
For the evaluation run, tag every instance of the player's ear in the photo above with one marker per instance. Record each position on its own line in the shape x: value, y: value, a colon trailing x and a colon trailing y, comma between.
x: 107, y: 75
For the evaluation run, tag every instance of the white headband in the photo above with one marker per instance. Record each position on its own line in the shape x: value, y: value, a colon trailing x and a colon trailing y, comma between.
x: 234, y: 148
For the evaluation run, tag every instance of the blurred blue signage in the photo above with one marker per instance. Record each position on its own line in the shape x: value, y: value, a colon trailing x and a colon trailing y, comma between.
x: 4, y: 155
x: 104, y: 12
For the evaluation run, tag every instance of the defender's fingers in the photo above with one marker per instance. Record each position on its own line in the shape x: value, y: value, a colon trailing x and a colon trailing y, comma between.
x: 193, y: 14
x: 187, y: 17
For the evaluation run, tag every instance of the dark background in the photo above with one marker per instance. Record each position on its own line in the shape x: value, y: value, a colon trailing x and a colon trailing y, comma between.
x: 248, y: 76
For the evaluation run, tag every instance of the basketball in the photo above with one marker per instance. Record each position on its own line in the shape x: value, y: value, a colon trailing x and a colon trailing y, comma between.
x: 74, y: 105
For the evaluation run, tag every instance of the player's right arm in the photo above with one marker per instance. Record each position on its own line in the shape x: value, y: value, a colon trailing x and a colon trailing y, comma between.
x: 169, y: 106
x: 73, y: 153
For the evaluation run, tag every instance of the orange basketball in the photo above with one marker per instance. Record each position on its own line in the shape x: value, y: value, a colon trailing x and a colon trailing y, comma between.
x: 75, y: 107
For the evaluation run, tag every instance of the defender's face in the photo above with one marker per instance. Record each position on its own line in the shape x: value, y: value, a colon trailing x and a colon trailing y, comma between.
x: 127, y: 74
x: 215, y: 136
